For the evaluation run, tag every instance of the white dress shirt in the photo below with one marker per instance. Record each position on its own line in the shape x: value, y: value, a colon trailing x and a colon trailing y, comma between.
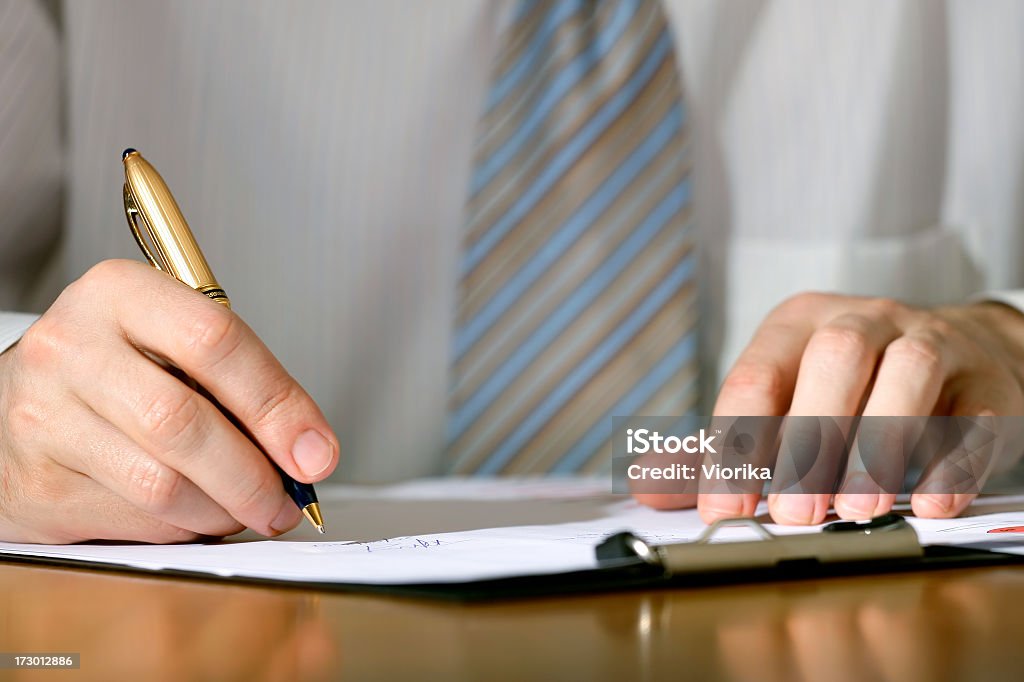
x: 871, y: 148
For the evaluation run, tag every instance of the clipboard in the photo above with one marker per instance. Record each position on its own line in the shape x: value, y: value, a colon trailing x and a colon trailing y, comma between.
x: 885, y: 544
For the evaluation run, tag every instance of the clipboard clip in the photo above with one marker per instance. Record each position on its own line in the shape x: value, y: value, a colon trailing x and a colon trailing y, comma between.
x: 883, y: 537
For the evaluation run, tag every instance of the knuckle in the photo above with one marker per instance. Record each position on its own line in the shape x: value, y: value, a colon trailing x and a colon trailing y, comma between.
x: 920, y: 351
x: 252, y: 497
x: 843, y: 342
x: 153, y: 486
x: 98, y: 284
x: 101, y: 275
x: 215, y: 335
x: 171, y: 416
x: 44, y: 344
x: 939, y: 329
x: 25, y: 419
x: 802, y: 302
x: 284, y: 395
x: 888, y: 308
x: 755, y: 379
x: 75, y: 289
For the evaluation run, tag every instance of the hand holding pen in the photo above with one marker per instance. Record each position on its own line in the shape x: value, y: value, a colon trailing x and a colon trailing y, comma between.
x: 99, y: 441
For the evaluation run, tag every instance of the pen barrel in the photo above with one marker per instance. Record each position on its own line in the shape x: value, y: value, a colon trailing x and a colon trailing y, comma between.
x: 164, y: 234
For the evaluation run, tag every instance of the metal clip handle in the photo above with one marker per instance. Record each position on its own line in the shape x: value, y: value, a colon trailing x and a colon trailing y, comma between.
x: 887, y: 537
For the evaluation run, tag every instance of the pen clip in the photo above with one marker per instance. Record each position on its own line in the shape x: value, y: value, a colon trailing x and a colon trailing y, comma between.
x: 134, y: 215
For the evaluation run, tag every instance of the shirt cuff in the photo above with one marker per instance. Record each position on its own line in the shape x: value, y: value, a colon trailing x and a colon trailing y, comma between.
x: 13, y: 326
x: 1011, y: 297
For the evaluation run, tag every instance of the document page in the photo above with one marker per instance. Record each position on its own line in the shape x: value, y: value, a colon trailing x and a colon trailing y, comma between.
x: 487, y: 553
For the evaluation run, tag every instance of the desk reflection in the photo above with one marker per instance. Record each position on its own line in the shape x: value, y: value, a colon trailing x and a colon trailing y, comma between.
x: 129, y: 628
x: 947, y: 625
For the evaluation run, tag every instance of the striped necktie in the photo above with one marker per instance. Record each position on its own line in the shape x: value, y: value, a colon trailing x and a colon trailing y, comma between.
x: 576, y: 296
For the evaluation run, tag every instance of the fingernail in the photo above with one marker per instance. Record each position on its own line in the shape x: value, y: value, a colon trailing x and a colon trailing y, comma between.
x: 943, y: 502
x: 312, y: 453
x: 794, y: 508
x: 857, y: 505
x: 720, y: 506
x: 287, y: 518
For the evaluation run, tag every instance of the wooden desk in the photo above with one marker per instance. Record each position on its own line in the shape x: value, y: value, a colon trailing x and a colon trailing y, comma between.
x: 946, y: 625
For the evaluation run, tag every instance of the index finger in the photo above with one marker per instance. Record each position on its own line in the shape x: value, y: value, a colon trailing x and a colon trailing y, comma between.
x: 215, y: 347
x: 761, y: 383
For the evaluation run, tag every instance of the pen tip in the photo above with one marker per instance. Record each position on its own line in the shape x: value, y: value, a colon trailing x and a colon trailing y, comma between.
x: 321, y: 529
x: 126, y: 152
x: 312, y: 513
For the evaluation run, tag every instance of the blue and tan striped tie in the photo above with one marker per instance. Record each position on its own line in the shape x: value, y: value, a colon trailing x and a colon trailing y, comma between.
x: 576, y: 294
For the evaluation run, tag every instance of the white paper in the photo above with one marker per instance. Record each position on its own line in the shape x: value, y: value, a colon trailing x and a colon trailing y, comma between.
x: 485, y: 553
x: 475, y: 488
x: 444, y: 557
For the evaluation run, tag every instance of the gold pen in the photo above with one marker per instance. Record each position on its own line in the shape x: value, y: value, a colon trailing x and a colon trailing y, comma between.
x: 168, y: 244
